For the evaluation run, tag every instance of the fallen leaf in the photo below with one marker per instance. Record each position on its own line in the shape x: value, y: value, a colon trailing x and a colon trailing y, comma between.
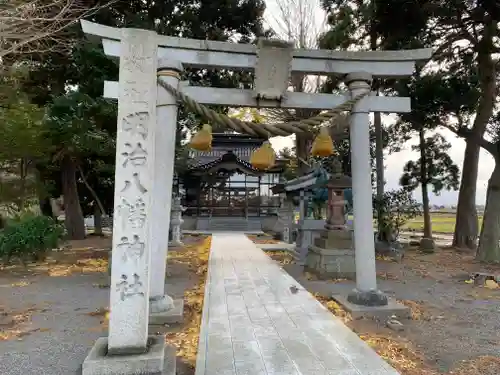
x: 491, y: 284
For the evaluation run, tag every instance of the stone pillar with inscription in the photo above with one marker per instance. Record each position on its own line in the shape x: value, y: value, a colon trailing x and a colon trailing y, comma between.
x: 129, y: 349
x: 285, y: 214
x: 163, y: 309
x: 303, y: 237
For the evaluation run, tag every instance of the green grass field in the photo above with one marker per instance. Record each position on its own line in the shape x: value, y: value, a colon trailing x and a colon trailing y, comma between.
x: 441, y: 223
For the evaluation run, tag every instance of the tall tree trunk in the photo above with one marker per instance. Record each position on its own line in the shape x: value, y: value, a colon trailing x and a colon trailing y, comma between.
x: 97, y: 221
x: 43, y: 196
x: 74, y: 220
x: 301, y: 149
x: 425, y: 191
x: 489, y: 240
x: 466, y: 227
x: 377, y: 122
x: 23, y: 174
x: 45, y: 206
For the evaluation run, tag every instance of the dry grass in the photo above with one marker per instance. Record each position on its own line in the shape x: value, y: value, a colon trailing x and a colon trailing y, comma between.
x: 400, y: 353
x: 186, y: 341
x: 260, y: 240
x: 195, y: 256
x: 395, y: 350
x: 282, y: 257
x: 485, y: 365
x: 85, y: 256
x: 417, y: 309
x: 448, y: 261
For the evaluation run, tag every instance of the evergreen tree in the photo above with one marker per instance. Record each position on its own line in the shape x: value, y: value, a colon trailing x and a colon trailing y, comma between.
x: 70, y: 86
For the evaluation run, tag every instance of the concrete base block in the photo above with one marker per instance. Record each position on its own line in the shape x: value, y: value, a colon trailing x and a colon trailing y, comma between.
x: 375, y: 312
x: 173, y: 316
x: 281, y: 246
x: 331, y: 263
x: 158, y: 360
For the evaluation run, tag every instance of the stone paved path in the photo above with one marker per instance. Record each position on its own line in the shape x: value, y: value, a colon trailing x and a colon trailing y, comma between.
x: 253, y: 324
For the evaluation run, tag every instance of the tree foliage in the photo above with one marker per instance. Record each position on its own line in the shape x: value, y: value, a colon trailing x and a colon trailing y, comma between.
x: 81, y: 126
x: 441, y: 173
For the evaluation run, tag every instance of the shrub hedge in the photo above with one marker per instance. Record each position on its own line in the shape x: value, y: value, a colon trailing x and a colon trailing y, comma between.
x: 29, y: 237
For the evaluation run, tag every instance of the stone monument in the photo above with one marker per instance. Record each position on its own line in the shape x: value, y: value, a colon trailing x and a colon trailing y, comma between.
x: 332, y: 254
x: 176, y: 223
x: 129, y: 349
x: 285, y: 218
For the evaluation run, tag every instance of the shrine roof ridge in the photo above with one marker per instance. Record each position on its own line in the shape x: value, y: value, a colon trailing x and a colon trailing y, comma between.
x: 230, y: 157
x: 307, y: 181
x: 113, y: 33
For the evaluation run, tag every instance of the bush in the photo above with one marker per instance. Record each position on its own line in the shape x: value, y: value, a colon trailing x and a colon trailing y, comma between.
x: 398, y: 207
x: 29, y: 237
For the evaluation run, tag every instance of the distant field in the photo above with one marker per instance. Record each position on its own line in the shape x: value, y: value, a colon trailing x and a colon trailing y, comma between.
x: 441, y: 223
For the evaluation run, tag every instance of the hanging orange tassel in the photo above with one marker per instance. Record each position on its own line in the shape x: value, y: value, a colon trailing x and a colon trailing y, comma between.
x: 323, y: 144
x: 264, y: 157
x: 202, y: 140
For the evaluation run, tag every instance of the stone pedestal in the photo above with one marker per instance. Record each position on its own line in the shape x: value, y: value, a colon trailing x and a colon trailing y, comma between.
x: 159, y: 359
x: 332, y: 256
x: 166, y: 311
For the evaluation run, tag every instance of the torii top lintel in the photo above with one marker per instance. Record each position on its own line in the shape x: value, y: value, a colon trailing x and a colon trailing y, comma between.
x: 213, y: 54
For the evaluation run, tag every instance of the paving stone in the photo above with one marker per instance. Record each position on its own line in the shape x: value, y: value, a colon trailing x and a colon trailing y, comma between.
x: 255, y: 325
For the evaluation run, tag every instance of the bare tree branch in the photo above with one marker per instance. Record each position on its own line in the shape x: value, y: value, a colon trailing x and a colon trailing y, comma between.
x: 466, y: 133
x: 36, y: 26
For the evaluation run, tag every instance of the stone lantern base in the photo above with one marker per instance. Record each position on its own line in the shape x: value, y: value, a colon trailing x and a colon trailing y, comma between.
x: 332, y: 256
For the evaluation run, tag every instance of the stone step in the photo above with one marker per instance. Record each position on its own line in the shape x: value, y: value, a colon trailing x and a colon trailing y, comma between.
x: 234, y: 224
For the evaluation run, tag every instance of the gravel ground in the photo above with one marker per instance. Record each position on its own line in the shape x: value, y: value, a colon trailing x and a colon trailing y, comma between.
x: 54, y: 328
x: 459, y: 321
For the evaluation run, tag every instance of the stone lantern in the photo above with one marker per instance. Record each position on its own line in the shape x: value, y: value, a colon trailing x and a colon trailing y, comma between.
x: 332, y: 255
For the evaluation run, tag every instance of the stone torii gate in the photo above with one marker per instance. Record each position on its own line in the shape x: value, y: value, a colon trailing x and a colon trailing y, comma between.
x: 147, y: 116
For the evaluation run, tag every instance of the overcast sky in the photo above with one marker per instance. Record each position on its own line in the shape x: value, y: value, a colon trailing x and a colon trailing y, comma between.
x: 394, y: 163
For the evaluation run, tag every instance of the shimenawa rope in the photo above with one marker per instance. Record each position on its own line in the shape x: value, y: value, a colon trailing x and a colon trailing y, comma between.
x: 263, y: 130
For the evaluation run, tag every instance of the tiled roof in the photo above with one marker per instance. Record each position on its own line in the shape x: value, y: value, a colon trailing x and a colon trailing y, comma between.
x: 228, y: 157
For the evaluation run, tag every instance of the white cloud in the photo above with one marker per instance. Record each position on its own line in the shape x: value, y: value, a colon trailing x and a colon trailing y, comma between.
x: 394, y: 167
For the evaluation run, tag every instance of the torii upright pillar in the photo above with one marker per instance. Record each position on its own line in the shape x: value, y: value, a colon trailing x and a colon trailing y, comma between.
x: 366, y: 292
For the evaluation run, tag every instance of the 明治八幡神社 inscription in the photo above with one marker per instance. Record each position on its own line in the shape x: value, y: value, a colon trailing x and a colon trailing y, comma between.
x: 132, y: 213
x: 135, y: 154
x: 129, y: 288
x: 135, y: 182
x: 136, y: 123
x: 131, y: 249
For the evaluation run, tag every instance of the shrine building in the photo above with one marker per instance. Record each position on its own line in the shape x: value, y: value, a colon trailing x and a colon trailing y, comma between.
x: 221, y: 190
